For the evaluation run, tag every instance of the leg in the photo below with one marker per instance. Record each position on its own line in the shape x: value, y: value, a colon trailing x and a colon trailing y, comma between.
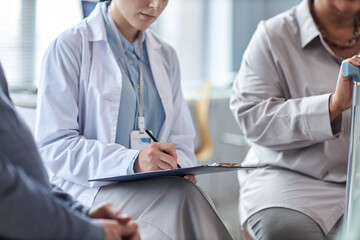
x: 282, y: 223
x: 166, y: 208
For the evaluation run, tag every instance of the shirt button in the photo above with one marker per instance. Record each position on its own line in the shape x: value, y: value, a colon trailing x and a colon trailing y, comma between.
x: 130, y: 61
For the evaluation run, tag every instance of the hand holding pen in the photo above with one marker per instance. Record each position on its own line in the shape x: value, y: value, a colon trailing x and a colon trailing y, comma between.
x: 191, y: 178
x: 156, y: 156
x: 155, y: 140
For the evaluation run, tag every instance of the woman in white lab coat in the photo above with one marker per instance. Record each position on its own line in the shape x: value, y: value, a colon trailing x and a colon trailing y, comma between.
x: 102, y: 83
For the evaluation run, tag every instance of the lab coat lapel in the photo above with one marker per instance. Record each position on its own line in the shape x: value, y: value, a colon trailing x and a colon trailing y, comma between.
x: 105, y: 61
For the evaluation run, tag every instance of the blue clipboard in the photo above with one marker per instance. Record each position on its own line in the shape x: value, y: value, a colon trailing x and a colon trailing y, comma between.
x: 201, y: 169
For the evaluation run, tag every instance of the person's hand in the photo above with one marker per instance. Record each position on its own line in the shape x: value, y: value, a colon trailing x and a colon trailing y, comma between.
x: 114, y: 230
x: 108, y: 211
x: 156, y: 156
x: 116, y: 224
x: 191, y: 178
x: 341, y: 99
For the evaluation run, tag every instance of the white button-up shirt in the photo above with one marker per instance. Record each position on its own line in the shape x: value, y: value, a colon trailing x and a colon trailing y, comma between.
x: 281, y: 101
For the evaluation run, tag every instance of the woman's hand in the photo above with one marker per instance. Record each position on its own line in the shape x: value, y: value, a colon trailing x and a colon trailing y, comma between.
x: 156, y: 156
x: 191, y: 178
x: 341, y: 99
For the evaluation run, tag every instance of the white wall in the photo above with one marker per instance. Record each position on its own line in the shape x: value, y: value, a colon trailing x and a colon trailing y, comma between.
x: 29, y: 116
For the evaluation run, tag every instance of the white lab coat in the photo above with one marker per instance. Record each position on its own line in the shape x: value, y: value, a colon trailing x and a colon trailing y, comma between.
x: 78, y: 104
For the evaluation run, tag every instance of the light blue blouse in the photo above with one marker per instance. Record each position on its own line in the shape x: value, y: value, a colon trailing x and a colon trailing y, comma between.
x: 128, y: 111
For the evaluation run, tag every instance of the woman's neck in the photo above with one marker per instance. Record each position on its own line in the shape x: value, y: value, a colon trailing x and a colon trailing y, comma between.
x: 337, y: 25
x: 128, y: 31
x: 328, y: 16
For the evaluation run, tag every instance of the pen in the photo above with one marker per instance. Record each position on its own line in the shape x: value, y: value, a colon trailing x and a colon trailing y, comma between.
x: 155, y: 140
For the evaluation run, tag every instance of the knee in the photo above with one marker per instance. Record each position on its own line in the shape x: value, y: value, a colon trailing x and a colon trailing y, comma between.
x: 179, y: 183
x: 277, y: 230
x: 182, y: 186
x: 278, y: 223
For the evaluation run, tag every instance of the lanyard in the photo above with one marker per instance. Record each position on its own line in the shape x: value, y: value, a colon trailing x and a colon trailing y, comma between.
x: 139, y: 99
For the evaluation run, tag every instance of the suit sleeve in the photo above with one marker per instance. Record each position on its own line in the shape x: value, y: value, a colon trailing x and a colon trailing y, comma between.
x: 68, y: 201
x: 29, y: 210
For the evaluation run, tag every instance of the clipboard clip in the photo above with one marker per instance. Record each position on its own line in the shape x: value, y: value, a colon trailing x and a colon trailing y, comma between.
x: 226, y: 165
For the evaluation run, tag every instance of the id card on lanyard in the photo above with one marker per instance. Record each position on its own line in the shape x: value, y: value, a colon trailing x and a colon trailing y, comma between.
x: 138, y: 138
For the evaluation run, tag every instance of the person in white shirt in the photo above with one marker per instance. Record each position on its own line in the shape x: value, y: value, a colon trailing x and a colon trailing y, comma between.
x: 103, y: 82
x: 292, y: 105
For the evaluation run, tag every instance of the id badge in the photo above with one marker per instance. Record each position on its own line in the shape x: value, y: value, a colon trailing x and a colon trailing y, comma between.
x: 138, y: 140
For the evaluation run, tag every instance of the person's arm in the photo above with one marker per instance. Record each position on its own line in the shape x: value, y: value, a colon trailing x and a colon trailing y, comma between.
x: 66, y: 152
x: 265, y: 115
x: 28, y: 210
x: 68, y: 201
x: 341, y: 100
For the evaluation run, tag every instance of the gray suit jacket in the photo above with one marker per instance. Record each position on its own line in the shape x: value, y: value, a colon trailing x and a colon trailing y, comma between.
x: 30, y: 208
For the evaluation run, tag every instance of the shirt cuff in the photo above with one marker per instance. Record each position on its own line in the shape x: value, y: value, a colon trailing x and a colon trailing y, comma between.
x: 130, y: 169
x: 315, y: 110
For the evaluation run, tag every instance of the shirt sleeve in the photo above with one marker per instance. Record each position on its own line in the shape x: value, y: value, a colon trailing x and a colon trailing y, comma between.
x: 265, y: 114
x: 130, y: 169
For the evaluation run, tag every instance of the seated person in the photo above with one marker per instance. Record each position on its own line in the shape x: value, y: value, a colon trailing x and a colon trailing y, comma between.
x: 30, y: 208
x: 102, y: 82
x: 292, y: 105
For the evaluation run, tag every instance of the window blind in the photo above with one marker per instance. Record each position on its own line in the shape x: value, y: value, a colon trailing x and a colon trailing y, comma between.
x: 27, y: 27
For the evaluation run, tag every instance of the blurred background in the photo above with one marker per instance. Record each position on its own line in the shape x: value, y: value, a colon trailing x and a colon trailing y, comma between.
x: 210, y: 37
